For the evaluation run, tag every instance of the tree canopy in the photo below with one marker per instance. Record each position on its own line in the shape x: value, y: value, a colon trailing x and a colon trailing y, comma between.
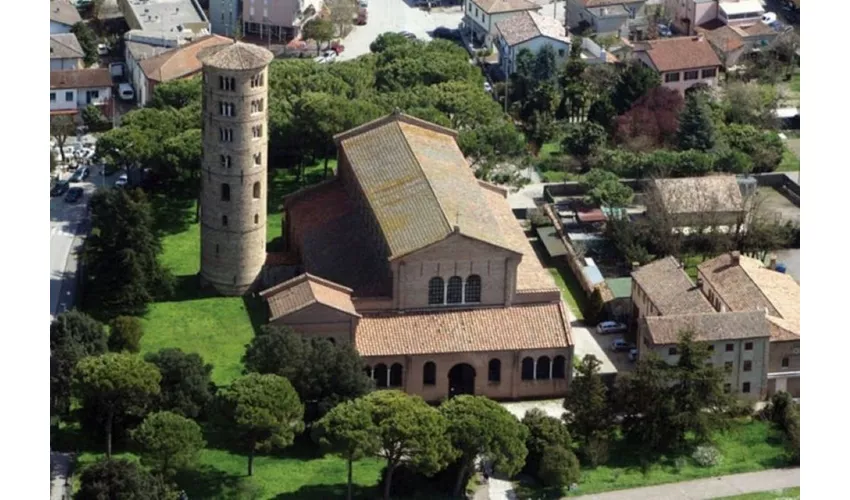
x: 543, y: 432
x: 605, y: 189
x: 323, y: 374
x: 169, y: 442
x: 480, y: 426
x: 652, y: 121
x: 125, y: 333
x: 262, y: 412
x: 696, y: 127
x: 589, y: 417
x: 115, y: 384
x: 117, y: 478
x: 634, y: 81
x: 73, y: 336
x: 186, y: 387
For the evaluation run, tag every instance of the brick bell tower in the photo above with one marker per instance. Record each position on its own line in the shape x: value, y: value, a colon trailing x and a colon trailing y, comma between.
x: 234, y: 165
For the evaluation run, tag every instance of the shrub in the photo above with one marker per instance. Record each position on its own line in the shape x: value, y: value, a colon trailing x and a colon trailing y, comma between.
x: 595, y: 450
x: 558, y: 467
x: 707, y: 456
x: 125, y: 334
x: 543, y: 432
x: 538, y: 218
x: 740, y: 409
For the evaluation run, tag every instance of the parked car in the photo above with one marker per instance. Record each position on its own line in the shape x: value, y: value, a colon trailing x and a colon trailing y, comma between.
x: 125, y: 92
x: 633, y: 355
x: 488, y: 87
x: 362, y: 17
x: 102, y: 49
x: 664, y: 30
x: 80, y: 175
x: 446, y: 33
x: 327, y: 56
x: 59, y: 188
x: 768, y: 17
x: 363, y: 4
x: 611, y: 327
x: 621, y: 345
x: 407, y: 34
x: 122, y: 181
x: 74, y: 194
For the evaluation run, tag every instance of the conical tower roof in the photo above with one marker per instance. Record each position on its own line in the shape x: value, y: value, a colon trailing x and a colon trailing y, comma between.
x: 235, y: 56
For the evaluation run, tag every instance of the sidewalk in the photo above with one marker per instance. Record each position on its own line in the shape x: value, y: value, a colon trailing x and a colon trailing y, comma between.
x: 706, y: 489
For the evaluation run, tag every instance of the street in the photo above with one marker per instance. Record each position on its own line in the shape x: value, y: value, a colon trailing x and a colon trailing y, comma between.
x: 394, y: 16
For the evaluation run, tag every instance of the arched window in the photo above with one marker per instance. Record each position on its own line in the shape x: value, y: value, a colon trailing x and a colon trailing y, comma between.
x: 225, y: 192
x: 543, y: 368
x: 381, y: 380
x: 429, y: 373
x: 454, y: 292
x: 435, y: 291
x: 473, y: 289
x: 559, y: 367
x: 527, y: 369
x: 256, y: 190
x: 494, y: 371
x: 395, y: 375
x: 224, y: 220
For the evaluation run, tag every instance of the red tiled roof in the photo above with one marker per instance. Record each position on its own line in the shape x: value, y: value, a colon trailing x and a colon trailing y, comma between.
x: 180, y: 61
x: 681, y: 53
x: 592, y: 215
x: 537, y: 326
x: 88, y: 78
x: 305, y: 290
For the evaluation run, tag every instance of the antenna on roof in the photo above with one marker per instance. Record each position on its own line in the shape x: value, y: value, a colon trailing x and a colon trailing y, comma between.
x: 457, y: 220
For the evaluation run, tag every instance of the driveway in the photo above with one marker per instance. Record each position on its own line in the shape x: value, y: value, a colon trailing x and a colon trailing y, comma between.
x: 396, y: 15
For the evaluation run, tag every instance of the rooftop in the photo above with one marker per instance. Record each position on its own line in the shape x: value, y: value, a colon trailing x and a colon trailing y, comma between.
x: 538, y: 326
x: 167, y: 14
x: 181, y: 61
x: 742, y: 7
x: 707, y: 327
x: 680, y: 53
x: 303, y: 291
x: 80, y: 79
x: 750, y: 286
x: 140, y: 51
x: 605, y: 3
x: 527, y: 25
x: 65, y: 46
x: 688, y: 195
x: 63, y: 12
x: 496, y: 6
x: 236, y: 56
x: 417, y: 183
x: 669, y: 289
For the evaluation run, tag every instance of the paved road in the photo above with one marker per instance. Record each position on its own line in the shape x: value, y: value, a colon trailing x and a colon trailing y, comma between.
x: 66, y: 228
x: 60, y: 470
x: 396, y: 15
x: 705, y: 489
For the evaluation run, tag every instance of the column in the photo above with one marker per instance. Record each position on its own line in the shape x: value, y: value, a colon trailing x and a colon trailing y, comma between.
x: 534, y: 373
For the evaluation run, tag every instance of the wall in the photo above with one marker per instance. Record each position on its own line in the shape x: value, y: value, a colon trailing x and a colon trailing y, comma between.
x: 507, y: 54
x: 319, y: 321
x: 224, y: 16
x: 641, y: 302
x: 682, y: 85
x: 232, y: 256
x: 59, y: 28
x: 279, y: 12
x: 79, y: 98
x: 65, y: 99
x: 779, y: 350
x: 66, y: 64
x: 697, y: 11
x: 510, y: 387
x: 455, y: 256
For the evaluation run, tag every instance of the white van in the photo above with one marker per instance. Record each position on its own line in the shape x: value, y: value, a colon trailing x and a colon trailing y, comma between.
x: 125, y: 92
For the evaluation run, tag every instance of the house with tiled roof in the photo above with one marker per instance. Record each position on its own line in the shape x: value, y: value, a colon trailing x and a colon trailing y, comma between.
x: 150, y: 66
x: 735, y: 282
x: 732, y: 42
x: 619, y: 18
x: 65, y: 52
x: 424, y: 269
x: 667, y: 303
x: 699, y: 203
x: 63, y: 16
x: 480, y: 17
x: 72, y: 90
x: 681, y: 62
x: 531, y: 31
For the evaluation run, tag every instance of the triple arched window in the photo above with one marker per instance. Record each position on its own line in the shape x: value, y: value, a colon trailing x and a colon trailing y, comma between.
x: 544, y: 368
x: 454, y: 291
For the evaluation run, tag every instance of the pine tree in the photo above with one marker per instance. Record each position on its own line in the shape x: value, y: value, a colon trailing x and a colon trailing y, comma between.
x: 696, y: 129
x: 588, y: 416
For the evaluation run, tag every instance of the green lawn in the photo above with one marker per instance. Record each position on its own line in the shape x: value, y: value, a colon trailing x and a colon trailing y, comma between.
x: 786, y: 494
x: 548, y: 149
x: 691, y: 262
x: 293, y: 474
x: 795, y: 83
x: 217, y: 328
x: 746, y: 447
x: 570, y: 289
x: 790, y: 162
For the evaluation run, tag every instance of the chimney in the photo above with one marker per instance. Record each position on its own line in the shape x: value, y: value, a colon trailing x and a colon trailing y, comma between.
x: 772, y: 262
x: 736, y: 257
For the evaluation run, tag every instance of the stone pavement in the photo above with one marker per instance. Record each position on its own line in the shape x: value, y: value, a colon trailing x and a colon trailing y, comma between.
x: 60, y: 469
x: 705, y: 489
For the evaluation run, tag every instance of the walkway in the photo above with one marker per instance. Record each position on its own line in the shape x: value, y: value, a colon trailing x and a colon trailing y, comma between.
x: 705, y: 489
x: 60, y: 470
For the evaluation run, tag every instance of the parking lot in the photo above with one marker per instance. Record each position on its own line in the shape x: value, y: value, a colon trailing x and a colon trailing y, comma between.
x: 394, y: 16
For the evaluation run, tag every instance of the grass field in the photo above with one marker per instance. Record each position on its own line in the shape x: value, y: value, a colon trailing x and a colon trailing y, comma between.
x: 746, y: 447
x: 790, y: 162
x: 217, y: 328
x: 786, y: 494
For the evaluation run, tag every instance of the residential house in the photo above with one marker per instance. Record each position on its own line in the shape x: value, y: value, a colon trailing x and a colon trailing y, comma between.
x: 63, y: 16
x: 480, y: 17
x: 662, y: 288
x: 65, y: 52
x: 224, y: 16
x: 532, y: 31
x: 171, y: 64
x: 688, y: 15
x: 619, y: 18
x: 165, y: 16
x: 734, y: 282
x: 682, y: 62
x: 424, y: 269
x: 72, y: 90
x: 731, y: 43
x: 279, y: 20
x: 739, y: 342
x: 712, y: 202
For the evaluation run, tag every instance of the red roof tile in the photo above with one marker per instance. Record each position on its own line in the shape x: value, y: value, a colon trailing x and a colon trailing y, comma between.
x: 681, y: 53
